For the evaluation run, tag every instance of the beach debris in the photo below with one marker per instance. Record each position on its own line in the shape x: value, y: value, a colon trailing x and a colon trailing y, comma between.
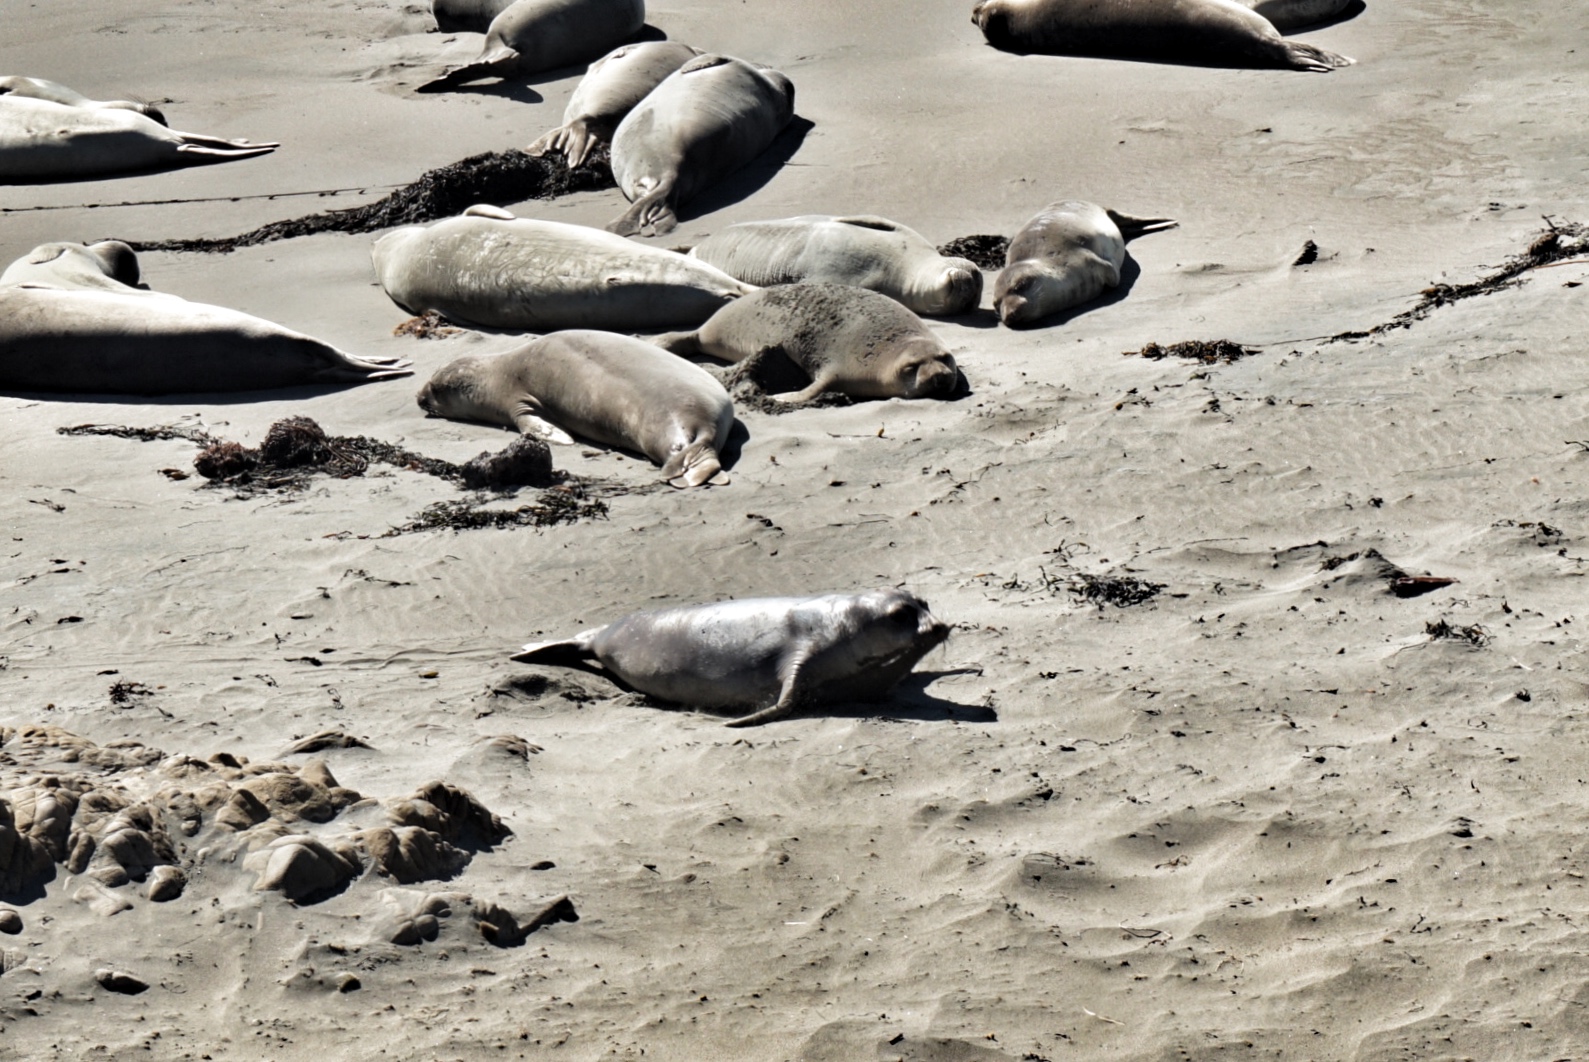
x: 325, y: 739
x: 525, y: 462
x: 1209, y: 352
x: 986, y: 251
x: 428, y: 325
x: 495, y: 177
x: 1473, y: 634
x: 1121, y: 591
x: 563, y: 504
x: 120, y: 981
x: 1309, y: 255
x: 10, y: 921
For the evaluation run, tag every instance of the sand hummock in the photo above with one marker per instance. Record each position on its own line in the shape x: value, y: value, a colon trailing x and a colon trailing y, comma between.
x: 1262, y: 729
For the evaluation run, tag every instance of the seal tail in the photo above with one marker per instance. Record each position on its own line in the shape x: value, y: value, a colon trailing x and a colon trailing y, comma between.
x: 650, y: 215
x: 1131, y: 227
x: 570, y: 652
x: 196, y: 148
x: 1301, y: 56
x: 684, y: 344
x: 695, y: 466
x: 355, y: 369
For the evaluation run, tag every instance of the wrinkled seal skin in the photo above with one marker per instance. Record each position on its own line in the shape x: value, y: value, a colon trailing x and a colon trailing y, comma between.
x: 1204, y: 32
x: 490, y: 269
x: 795, y: 652
x: 532, y: 36
x: 1070, y: 253
x: 39, y: 89
x: 863, y: 251
x: 1295, y: 14
x: 72, y: 323
x: 609, y: 388
x: 706, y: 120
x: 610, y: 89
x: 847, y: 339
x: 44, y: 140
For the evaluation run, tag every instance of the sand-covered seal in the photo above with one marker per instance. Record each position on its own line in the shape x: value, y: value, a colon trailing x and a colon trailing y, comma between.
x: 39, y: 89
x: 609, y: 388
x: 863, y: 251
x: 775, y: 654
x: 704, y: 121
x: 488, y: 268
x: 71, y: 322
x: 42, y: 139
x: 1201, y: 32
x: 610, y: 89
x: 532, y: 36
x: 1070, y: 253
x: 847, y: 339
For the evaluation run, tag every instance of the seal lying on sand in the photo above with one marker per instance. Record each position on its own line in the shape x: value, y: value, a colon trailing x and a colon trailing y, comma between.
x: 531, y: 36
x: 610, y: 89
x: 471, y: 16
x: 38, y: 89
x: 609, y: 388
x: 792, y: 651
x: 866, y: 252
x: 41, y: 139
x: 72, y: 323
x: 1203, y: 32
x: 1070, y: 253
x: 847, y: 339
x: 706, y: 120
x: 488, y: 268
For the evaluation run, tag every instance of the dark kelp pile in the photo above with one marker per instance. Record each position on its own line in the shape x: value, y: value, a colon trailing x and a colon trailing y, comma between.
x: 496, y: 177
x: 986, y: 251
x: 1206, y: 351
x: 297, y: 449
x: 1558, y: 242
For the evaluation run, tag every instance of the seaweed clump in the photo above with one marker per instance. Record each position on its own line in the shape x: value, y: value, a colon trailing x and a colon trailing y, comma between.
x: 988, y: 252
x: 1121, y: 591
x: 564, y: 504
x: 1206, y: 351
x: 1473, y: 634
x: 495, y: 177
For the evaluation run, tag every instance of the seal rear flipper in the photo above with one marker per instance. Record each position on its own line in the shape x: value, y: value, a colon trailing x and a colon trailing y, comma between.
x: 497, y: 62
x: 1131, y: 227
x: 1307, y: 57
x: 208, y: 148
x: 570, y: 652
x: 684, y: 344
x: 650, y: 215
x: 694, y: 466
x: 354, y: 369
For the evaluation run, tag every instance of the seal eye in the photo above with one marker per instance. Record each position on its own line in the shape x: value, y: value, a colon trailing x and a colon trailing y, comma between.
x: 903, y: 615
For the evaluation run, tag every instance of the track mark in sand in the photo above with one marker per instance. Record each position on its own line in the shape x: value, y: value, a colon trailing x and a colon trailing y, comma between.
x: 496, y: 177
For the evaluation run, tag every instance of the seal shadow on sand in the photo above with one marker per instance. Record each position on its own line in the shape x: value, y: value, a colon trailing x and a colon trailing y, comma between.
x: 753, y: 176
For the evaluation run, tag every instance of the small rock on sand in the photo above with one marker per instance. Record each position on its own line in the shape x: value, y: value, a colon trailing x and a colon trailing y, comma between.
x: 120, y: 981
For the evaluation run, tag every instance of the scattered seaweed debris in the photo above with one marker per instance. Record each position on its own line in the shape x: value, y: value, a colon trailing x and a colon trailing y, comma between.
x: 1557, y: 242
x: 986, y: 251
x: 1121, y: 591
x: 171, y: 431
x: 1475, y: 635
x: 122, y: 693
x: 526, y: 462
x: 565, y: 504
x: 496, y: 177
x: 1207, y: 351
x: 428, y: 325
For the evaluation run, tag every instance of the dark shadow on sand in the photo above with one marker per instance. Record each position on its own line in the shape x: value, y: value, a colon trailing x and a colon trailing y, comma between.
x: 187, y: 398
x: 755, y: 175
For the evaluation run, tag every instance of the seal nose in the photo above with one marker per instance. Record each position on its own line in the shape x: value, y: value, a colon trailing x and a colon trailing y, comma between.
x: 1011, y: 309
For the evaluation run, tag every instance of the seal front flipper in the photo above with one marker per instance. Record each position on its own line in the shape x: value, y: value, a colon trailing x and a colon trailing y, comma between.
x: 210, y: 147
x: 788, y: 696
x: 1307, y: 57
x: 532, y: 424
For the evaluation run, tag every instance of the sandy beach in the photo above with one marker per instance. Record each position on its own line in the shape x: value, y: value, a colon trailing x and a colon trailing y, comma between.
x: 1195, y: 777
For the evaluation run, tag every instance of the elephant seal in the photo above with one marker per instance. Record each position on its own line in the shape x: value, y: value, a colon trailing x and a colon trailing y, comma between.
x: 601, y: 386
x: 791, y: 651
x: 1288, y: 15
x: 38, y: 89
x: 1070, y: 253
x: 490, y: 269
x: 41, y: 139
x: 1204, y: 32
x: 610, y: 89
x: 864, y: 251
x: 706, y: 120
x: 847, y: 339
x: 532, y: 36
x: 72, y: 323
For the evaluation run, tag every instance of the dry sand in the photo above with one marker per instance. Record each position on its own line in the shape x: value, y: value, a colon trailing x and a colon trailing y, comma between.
x: 1265, y: 813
